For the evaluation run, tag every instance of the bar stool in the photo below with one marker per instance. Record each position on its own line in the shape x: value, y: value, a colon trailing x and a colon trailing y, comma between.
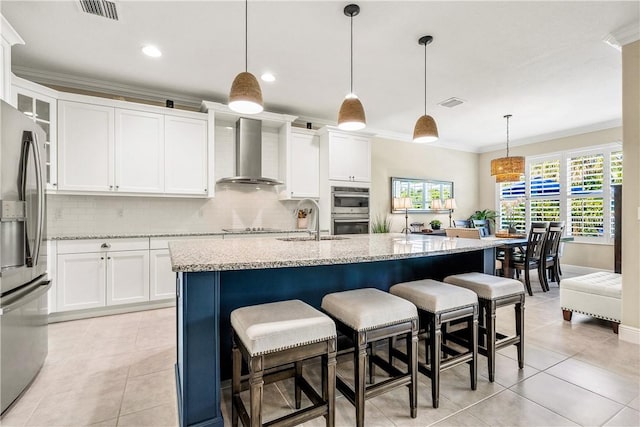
x: 494, y: 292
x: 439, y: 303
x: 366, y: 316
x: 270, y: 337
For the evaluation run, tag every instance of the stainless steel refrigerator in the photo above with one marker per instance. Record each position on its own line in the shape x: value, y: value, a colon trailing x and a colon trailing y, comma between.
x: 23, y: 254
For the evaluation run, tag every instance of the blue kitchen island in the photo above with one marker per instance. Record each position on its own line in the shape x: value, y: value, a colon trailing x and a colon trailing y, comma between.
x: 217, y: 276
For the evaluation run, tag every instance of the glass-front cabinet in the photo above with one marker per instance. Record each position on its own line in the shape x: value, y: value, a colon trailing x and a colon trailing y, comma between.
x: 41, y: 108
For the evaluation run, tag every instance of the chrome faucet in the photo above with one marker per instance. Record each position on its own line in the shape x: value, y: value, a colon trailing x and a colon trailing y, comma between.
x: 317, y: 215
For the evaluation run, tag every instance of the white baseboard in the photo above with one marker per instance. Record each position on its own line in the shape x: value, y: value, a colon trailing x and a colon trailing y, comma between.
x: 63, y: 316
x: 629, y: 334
x: 578, y: 269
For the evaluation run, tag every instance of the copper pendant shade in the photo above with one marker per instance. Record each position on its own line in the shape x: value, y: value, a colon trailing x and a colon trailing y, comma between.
x: 351, y: 115
x: 245, y: 95
x: 425, y: 129
x: 507, y: 169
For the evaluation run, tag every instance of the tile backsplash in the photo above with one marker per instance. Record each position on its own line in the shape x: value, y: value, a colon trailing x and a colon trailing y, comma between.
x: 233, y: 207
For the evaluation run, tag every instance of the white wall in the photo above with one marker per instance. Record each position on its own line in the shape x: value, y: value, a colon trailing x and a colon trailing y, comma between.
x: 586, y: 255
x: 391, y: 158
x: 237, y: 207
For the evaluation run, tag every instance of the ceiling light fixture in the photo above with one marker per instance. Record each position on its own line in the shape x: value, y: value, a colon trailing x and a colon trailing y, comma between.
x: 151, y: 51
x: 351, y: 115
x: 425, y: 129
x: 246, y: 96
x: 268, y: 77
x: 507, y: 169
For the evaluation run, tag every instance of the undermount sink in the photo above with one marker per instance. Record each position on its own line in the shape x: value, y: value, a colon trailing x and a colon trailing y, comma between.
x: 310, y: 238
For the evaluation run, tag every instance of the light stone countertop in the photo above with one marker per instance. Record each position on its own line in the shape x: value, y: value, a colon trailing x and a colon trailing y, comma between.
x: 160, y: 234
x: 269, y: 252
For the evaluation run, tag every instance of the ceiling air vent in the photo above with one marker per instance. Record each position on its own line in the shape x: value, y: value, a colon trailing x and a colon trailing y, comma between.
x: 451, y: 102
x: 104, y: 8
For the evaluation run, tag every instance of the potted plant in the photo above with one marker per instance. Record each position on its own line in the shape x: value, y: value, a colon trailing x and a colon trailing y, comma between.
x: 303, y: 221
x: 435, y: 224
x: 381, y: 224
x: 488, y: 214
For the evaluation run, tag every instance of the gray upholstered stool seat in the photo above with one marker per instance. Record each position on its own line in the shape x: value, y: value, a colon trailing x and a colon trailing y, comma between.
x: 494, y: 292
x: 272, y: 336
x: 370, y: 315
x: 439, y: 303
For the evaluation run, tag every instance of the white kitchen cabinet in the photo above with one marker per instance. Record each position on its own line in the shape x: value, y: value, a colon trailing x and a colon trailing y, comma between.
x: 98, y: 273
x: 85, y: 147
x: 139, y: 151
x: 162, y: 279
x: 80, y: 281
x: 349, y: 157
x: 117, y: 147
x: 39, y: 104
x: 127, y: 277
x: 8, y: 38
x: 303, y: 180
x: 185, y: 167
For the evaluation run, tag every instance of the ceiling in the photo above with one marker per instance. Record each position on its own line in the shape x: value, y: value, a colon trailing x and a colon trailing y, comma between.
x: 544, y: 62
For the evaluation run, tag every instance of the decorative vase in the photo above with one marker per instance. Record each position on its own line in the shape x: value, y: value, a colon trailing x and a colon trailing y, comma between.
x: 512, y: 229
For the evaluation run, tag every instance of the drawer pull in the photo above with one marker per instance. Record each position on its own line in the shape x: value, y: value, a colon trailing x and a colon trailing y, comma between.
x: 105, y: 246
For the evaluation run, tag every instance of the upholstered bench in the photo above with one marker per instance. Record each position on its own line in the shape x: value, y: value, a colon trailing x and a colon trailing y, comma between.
x: 271, y: 336
x: 367, y: 316
x: 439, y: 304
x: 596, y: 294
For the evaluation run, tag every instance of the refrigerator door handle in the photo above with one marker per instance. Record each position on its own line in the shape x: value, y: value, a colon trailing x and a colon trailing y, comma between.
x: 29, y: 142
x: 33, y: 293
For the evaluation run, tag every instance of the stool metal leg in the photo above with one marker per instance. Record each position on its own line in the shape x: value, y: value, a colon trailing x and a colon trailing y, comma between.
x: 256, y: 385
x: 490, y: 313
x: 435, y: 338
x: 412, y: 351
x: 520, y: 331
x: 235, y: 384
x: 473, y: 342
x: 329, y: 383
x: 360, y: 360
x: 298, y: 391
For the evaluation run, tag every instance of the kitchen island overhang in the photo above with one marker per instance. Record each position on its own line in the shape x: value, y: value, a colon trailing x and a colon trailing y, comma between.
x: 217, y: 276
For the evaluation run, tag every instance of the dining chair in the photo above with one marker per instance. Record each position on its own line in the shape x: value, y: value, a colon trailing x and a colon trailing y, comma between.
x: 532, y: 258
x: 461, y: 223
x: 551, y: 257
x: 483, y: 225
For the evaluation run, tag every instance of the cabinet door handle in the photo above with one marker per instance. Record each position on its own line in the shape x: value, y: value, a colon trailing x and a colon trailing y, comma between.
x: 101, y: 257
x: 105, y: 246
x: 111, y: 187
x: 205, y: 190
x: 108, y: 257
x: 54, y: 184
x: 117, y: 186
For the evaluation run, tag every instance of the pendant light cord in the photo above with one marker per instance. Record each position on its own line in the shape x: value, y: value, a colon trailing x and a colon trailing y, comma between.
x: 351, y: 82
x: 246, y: 35
x: 507, y: 117
x: 425, y: 79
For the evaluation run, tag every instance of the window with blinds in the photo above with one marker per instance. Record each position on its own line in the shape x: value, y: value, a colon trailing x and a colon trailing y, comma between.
x: 572, y: 186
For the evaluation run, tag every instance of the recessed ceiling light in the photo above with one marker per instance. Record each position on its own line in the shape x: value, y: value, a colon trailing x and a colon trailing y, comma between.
x: 268, y: 77
x: 151, y: 51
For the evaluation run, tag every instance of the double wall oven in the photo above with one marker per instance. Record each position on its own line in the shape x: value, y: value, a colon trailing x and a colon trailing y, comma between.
x: 349, y: 210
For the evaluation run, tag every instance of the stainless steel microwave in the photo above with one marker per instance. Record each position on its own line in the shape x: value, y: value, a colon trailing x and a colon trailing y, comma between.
x: 350, y: 200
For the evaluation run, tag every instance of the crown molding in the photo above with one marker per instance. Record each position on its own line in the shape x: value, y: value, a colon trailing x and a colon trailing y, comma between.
x: 9, y: 33
x: 627, y: 34
x: 96, y: 85
x: 610, y: 124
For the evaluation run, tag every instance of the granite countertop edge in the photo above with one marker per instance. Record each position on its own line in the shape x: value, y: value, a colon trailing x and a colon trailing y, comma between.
x: 181, y: 234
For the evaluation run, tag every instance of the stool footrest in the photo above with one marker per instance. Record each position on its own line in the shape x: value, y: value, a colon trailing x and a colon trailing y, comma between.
x: 299, y: 417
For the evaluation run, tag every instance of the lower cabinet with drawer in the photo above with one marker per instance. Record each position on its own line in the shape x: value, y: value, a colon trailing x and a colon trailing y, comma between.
x: 93, y: 273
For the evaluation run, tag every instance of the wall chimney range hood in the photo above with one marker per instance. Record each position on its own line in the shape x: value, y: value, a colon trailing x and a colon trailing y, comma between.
x: 249, y: 155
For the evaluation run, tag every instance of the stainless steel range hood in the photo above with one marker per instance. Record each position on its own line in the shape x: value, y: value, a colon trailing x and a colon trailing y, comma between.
x: 249, y: 155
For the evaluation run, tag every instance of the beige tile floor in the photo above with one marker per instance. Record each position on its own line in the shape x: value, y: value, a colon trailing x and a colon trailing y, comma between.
x: 118, y: 370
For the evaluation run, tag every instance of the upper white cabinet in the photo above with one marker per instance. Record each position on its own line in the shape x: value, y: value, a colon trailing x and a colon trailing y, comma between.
x: 348, y: 156
x: 139, y: 151
x: 85, y: 147
x: 39, y: 103
x: 112, y: 147
x: 185, y: 155
x: 303, y: 165
x: 8, y: 37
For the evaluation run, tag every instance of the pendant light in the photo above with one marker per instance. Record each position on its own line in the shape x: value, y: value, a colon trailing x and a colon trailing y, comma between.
x: 351, y: 115
x: 246, y: 96
x: 507, y: 169
x: 425, y: 129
